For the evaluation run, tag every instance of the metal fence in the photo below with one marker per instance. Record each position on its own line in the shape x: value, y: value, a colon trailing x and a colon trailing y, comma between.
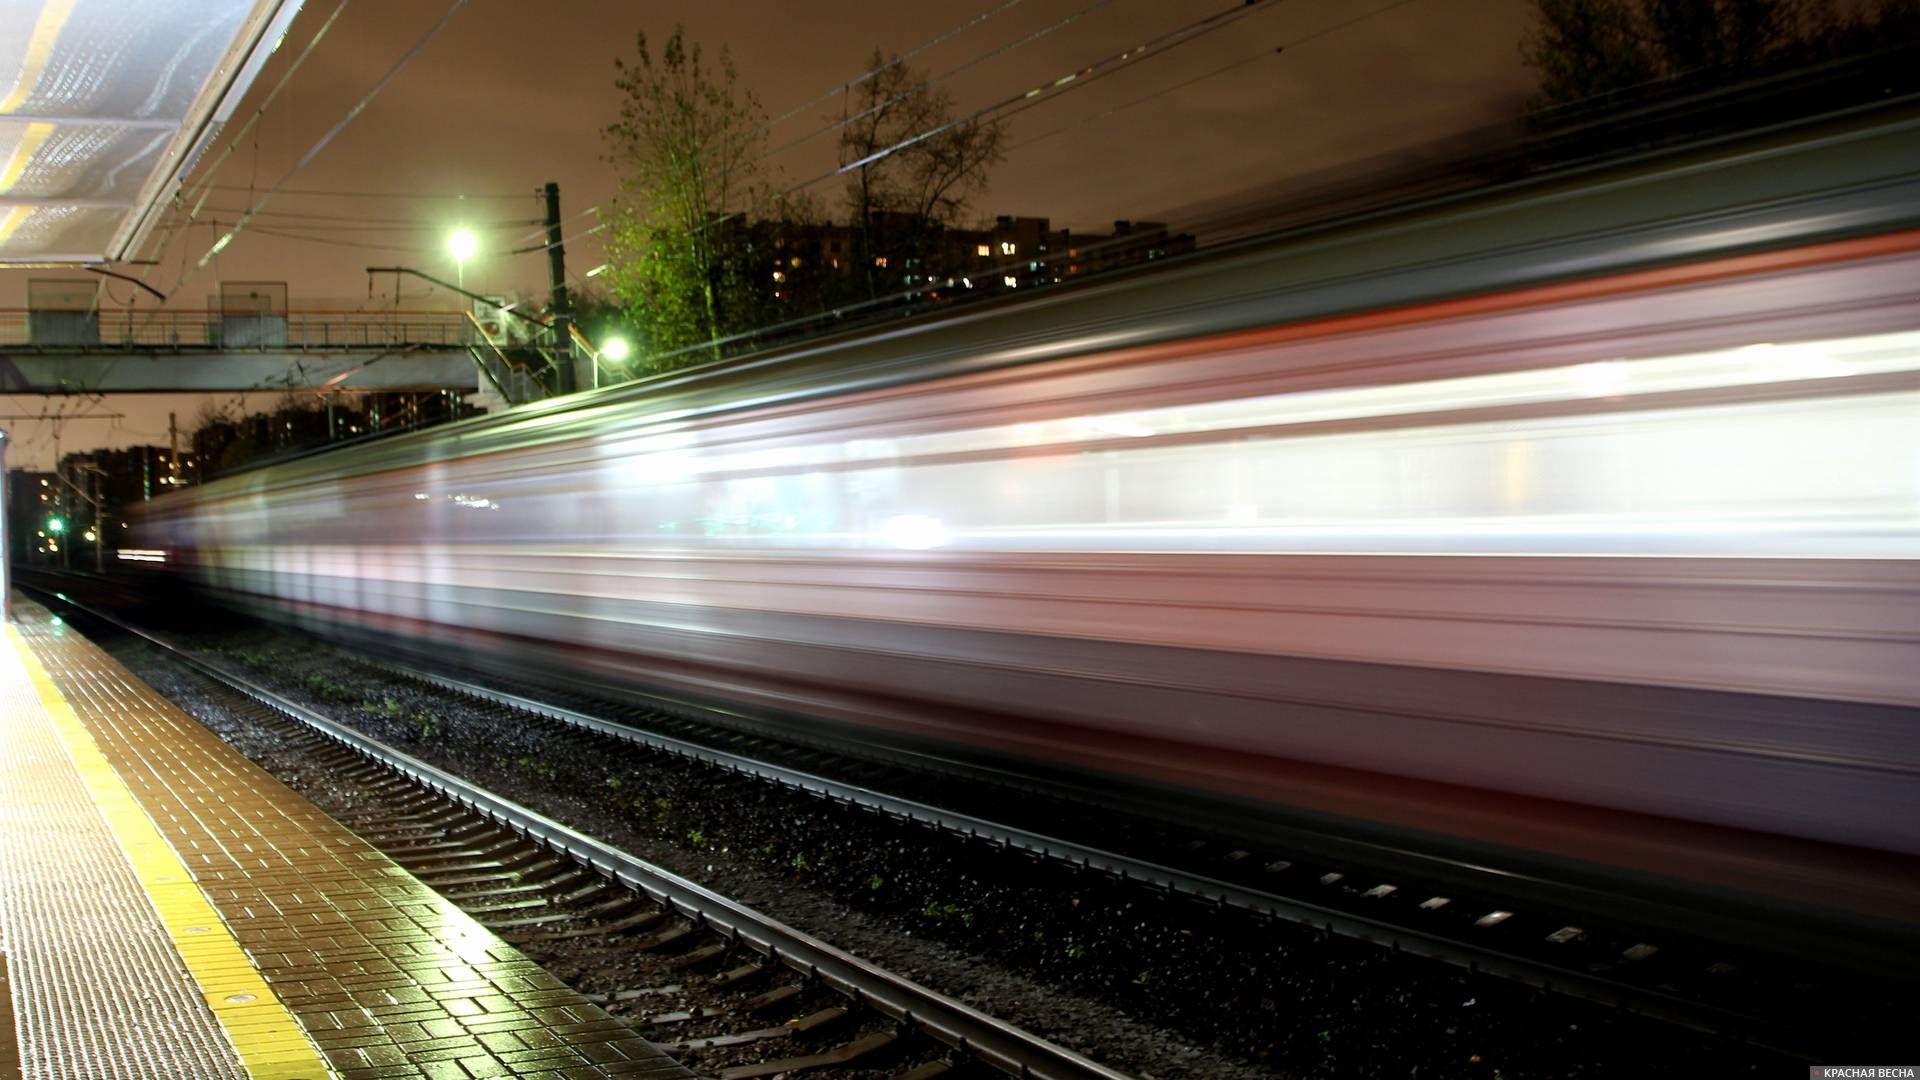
x: 203, y: 329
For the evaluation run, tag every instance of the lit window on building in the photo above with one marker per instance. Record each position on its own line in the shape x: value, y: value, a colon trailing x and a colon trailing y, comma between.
x: 983, y: 251
x: 880, y: 260
x: 1008, y: 247
x: 1010, y: 281
x: 779, y: 275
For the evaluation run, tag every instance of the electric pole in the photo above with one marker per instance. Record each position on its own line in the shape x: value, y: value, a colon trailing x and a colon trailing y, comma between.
x: 562, y: 306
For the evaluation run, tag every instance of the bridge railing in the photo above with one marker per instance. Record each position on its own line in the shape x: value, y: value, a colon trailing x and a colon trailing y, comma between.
x: 185, y: 328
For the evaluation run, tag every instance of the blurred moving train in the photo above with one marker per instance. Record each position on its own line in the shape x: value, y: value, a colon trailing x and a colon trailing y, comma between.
x: 1601, y: 489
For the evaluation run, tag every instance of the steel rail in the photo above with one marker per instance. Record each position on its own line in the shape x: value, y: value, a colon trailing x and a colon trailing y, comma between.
x: 1397, y: 937
x: 974, y: 1033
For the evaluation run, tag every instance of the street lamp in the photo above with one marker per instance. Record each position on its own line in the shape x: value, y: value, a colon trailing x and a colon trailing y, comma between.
x: 463, y: 245
x: 613, y: 350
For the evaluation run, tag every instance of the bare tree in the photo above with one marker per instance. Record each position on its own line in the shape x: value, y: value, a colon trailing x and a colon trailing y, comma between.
x: 908, y: 157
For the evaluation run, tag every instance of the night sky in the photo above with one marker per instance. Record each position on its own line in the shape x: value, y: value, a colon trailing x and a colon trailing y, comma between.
x: 512, y: 94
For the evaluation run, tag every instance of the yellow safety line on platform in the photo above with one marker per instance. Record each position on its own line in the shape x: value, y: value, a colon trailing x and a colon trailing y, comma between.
x: 270, y: 1042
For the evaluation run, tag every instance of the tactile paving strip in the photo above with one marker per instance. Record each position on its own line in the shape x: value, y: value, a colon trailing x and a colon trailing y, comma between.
x: 389, y: 978
x: 98, y: 990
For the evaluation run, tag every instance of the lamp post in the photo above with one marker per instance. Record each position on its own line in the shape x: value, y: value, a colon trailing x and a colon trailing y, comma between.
x: 462, y: 245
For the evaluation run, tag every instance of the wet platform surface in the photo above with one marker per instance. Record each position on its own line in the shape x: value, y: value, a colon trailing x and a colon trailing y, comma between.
x: 167, y: 908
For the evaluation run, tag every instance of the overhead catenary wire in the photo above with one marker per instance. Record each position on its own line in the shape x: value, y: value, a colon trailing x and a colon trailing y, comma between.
x: 200, y: 191
x: 896, y: 61
x: 170, y: 231
x: 346, y: 221
x: 1042, y: 93
x: 1093, y: 73
x: 327, y: 138
x: 991, y: 54
x: 556, y: 243
x: 1215, y: 72
x: 437, y: 196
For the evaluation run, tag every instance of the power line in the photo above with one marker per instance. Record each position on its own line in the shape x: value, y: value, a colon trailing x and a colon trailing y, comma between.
x: 895, y: 62
x: 1050, y: 91
x: 343, y: 220
x: 1221, y: 70
x: 202, y: 190
x: 435, y: 195
x: 392, y: 227
x: 314, y: 151
x: 947, y: 74
x: 276, y: 233
x: 555, y: 243
x: 1158, y: 47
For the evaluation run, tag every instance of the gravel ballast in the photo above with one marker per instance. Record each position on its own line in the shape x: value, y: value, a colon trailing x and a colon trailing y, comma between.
x: 1160, y: 987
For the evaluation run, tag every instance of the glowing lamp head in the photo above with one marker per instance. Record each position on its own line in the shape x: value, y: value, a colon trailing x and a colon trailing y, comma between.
x: 56, y: 526
x: 617, y: 349
x: 463, y: 244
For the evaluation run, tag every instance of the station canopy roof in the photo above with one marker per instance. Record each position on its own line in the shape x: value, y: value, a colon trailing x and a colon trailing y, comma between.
x: 104, y: 107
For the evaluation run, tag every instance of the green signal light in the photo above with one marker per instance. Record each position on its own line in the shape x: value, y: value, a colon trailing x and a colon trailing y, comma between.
x: 56, y: 525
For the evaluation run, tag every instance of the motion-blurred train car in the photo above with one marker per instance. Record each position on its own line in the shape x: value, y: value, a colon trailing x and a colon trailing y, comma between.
x: 1599, y: 491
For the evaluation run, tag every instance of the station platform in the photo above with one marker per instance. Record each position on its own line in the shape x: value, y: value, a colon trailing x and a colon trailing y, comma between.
x: 169, y: 909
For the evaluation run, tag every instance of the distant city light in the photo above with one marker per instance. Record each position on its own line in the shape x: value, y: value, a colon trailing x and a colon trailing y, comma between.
x: 91, y: 535
x: 617, y: 349
x: 56, y: 525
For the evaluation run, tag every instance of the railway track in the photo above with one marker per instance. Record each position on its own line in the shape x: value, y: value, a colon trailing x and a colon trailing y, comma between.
x: 1783, y: 1003
x: 741, y: 995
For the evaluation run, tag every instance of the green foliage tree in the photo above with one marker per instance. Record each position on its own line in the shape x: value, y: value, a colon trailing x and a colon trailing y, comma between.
x: 687, y: 144
x: 907, y: 157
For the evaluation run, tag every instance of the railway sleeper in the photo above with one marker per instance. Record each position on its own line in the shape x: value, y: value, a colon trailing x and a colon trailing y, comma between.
x: 635, y: 994
x: 637, y: 922
x: 844, y: 1054
x: 805, y: 1025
